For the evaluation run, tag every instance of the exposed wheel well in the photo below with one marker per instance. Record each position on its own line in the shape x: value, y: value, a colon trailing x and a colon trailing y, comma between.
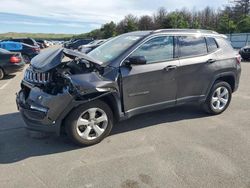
x: 229, y: 79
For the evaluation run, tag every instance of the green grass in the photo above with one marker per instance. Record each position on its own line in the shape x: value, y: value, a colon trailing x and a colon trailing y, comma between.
x: 35, y: 35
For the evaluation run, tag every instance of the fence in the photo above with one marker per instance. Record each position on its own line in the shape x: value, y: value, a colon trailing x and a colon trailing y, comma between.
x: 239, y: 40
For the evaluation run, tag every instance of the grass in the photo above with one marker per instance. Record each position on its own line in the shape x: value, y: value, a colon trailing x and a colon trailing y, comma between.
x: 52, y: 36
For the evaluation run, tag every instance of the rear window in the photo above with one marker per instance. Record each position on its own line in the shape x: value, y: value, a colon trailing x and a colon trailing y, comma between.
x: 211, y: 44
x: 192, y: 46
x: 29, y: 41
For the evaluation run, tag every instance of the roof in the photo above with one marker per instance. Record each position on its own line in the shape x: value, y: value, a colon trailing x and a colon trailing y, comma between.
x: 189, y: 32
x: 177, y: 32
x: 193, y: 31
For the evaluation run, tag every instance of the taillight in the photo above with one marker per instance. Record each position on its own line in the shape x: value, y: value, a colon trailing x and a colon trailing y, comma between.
x: 238, y: 59
x: 15, y: 59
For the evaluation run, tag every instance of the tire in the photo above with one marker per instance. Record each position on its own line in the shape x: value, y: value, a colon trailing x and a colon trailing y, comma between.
x: 26, y: 58
x: 81, y: 127
x: 216, y: 104
x: 2, y: 74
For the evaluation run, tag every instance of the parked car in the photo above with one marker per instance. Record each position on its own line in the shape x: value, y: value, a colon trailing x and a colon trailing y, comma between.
x: 41, y: 45
x: 28, y: 41
x: 10, y: 62
x: 44, y: 43
x: 91, y: 46
x: 27, y: 51
x: 75, y: 44
x: 245, y: 52
x: 86, y: 94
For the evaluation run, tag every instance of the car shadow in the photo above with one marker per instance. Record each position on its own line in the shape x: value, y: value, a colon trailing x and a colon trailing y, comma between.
x: 9, y: 76
x: 158, y: 117
x: 16, y: 145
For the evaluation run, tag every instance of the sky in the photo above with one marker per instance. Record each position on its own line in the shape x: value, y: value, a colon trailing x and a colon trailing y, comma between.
x: 81, y: 16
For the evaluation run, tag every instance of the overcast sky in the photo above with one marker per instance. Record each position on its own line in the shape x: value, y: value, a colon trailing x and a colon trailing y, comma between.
x: 79, y: 16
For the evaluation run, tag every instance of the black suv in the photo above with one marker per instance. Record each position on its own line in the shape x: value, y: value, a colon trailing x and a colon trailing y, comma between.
x: 134, y: 73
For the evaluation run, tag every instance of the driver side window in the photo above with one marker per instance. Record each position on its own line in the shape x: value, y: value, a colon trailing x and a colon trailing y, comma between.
x: 157, y: 49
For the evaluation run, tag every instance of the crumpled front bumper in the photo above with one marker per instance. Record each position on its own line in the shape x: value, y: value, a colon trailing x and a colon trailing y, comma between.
x: 42, y: 111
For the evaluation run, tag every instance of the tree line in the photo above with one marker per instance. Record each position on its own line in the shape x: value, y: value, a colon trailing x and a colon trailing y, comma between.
x: 233, y: 17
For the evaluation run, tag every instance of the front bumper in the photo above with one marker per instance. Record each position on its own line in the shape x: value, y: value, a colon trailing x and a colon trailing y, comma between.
x: 42, y: 111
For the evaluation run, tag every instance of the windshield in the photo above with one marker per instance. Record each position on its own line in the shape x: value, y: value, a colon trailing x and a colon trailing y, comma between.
x: 113, y: 48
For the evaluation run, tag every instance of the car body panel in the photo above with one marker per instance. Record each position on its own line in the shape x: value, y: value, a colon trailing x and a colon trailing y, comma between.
x: 51, y: 58
x: 8, y: 67
x: 151, y: 83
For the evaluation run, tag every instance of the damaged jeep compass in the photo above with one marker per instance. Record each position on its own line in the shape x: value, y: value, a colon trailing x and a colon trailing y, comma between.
x: 84, y: 95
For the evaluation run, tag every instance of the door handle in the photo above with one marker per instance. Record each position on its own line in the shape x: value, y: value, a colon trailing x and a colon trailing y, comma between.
x: 170, y: 67
x: 211, y: 61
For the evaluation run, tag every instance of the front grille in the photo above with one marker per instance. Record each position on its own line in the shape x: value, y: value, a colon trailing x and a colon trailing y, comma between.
x: 37, y: 77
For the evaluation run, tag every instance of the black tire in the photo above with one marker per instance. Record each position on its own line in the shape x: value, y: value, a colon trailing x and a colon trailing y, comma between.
x: 26, y: 58
x: 72, y: 119
x: 2, y: 74
x: 207, y: 106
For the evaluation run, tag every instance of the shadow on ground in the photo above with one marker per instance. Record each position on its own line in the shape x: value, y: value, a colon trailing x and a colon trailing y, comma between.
x: 8, y: 77
x: 16, y: 145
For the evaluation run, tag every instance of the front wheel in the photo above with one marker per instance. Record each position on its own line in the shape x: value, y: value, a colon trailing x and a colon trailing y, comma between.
x: 1, y: 74
x: 90, y: 123
x: 219, y: 98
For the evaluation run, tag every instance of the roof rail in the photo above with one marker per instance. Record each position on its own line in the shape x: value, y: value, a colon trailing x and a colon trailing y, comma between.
x: 186, y: 30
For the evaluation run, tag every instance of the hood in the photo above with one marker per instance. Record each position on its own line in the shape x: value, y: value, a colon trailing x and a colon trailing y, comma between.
x: 51, y: 58
x: 246, y: 47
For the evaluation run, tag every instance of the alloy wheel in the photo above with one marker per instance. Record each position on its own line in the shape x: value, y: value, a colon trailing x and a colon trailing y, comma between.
x: 1, y: 73
x: 220, y: 98
x: 92, y: 123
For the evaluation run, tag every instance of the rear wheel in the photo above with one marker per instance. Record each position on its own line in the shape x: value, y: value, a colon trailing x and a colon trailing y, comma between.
x: 1, y: 74
x: 219, y: 98
x: 90, y: 123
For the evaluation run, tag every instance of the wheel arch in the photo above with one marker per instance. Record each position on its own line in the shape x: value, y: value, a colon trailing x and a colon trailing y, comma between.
x: 228, y: 77
x: 111, y: 99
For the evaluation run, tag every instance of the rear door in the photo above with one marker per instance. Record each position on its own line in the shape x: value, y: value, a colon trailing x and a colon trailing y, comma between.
x: 197, y: 65
x: 153, y: 84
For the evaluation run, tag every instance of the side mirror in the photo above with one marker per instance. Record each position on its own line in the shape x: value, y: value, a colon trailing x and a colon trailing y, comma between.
x: 136, y: 60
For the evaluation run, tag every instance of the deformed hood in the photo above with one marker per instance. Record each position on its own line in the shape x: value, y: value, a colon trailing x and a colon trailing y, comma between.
x: 51, y: 58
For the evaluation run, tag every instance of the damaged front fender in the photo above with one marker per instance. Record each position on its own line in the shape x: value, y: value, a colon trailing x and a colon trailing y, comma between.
x: 91, y: 83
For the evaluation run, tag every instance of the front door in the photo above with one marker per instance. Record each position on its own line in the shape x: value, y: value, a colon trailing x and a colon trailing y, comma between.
x: 152, y: 85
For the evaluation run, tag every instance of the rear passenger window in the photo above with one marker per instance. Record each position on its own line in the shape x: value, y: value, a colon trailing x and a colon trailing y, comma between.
x: 28, y: 41
x: 192, y: 46
x: 211, y: 44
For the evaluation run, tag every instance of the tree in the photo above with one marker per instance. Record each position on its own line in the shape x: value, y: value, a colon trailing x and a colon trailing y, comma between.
x: 244, y: 25
x: 230, y: 18
x: 145, y: 23
x: 128, y: 24
x: 226, y: 25
x: 108, y: 30
x: 241, y: 7
x: 160, y: 18
x: 176, y: 20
